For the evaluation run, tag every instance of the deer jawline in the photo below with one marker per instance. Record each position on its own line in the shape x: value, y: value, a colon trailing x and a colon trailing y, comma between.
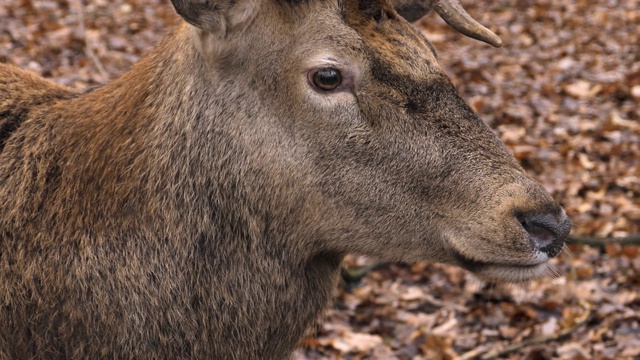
x: 503, y: 272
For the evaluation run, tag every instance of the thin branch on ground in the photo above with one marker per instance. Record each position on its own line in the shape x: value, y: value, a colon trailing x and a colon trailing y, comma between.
x: 352, y: 275
x: 633, y: 239
x: 87, y: 41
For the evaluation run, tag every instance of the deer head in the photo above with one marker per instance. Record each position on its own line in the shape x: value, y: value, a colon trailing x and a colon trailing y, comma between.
x: 345, y: 108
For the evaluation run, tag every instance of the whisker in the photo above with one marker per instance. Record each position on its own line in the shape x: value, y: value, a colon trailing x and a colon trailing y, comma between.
x: 554, y: 272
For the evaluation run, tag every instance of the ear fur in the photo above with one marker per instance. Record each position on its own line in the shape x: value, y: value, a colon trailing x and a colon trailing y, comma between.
x: 412, y: 10
x: 216, y: 16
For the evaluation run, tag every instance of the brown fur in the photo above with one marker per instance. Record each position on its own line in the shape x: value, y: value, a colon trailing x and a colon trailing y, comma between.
x: 200, y: 205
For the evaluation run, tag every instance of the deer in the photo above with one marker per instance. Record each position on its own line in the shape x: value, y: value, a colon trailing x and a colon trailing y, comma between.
x: 200, y: 205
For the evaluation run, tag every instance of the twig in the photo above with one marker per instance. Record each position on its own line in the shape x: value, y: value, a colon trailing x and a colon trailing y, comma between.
x: 477, y: 353
x: 87, y: 42
x: 352, y: 275
x: 633, y: 239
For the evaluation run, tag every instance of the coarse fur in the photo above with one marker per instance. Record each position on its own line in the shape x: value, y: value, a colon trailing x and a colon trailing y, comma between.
x: 200, y: 205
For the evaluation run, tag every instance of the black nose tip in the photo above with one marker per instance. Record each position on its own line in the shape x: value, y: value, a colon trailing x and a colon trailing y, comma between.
x: 546, y: 231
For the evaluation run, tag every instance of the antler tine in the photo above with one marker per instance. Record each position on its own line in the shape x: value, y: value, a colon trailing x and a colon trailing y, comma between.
x: 454, y: 14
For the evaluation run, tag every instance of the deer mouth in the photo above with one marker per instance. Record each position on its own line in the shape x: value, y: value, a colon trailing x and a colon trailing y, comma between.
x: 503, y: 272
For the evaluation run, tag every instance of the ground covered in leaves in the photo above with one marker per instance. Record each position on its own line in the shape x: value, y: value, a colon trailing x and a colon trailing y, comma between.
x: 563, y: 93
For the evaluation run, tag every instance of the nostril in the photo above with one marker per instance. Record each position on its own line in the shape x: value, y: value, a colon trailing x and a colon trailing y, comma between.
x: 540, y: 233
x: 545, y: 231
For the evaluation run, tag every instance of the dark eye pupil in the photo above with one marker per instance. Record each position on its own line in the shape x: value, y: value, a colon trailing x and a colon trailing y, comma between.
x: 327, y: 79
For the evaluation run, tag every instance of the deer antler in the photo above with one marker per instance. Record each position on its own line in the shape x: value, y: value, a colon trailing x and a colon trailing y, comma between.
x: 454, y: 14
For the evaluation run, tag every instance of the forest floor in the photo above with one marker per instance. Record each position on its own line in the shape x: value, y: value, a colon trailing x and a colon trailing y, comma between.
x: 563, y: 93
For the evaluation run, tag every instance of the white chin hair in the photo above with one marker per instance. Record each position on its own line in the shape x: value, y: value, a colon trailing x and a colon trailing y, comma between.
x: 516, y: 274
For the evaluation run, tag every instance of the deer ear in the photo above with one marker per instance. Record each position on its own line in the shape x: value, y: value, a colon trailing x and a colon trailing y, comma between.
x: 412, y: 10
x: 216, y: 15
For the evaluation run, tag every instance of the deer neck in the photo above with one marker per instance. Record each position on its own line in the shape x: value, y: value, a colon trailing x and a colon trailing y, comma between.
x: 201, y: 195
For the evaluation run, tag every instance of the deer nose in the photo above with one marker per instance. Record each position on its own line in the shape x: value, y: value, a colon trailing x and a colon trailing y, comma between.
x: 546, y: 232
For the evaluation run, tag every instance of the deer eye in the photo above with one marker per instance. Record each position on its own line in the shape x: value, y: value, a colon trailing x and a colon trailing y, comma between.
x: 326, y: 79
